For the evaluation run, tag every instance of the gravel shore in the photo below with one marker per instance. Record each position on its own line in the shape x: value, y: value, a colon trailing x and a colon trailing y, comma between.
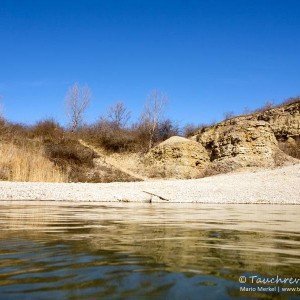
x: 277, y: 186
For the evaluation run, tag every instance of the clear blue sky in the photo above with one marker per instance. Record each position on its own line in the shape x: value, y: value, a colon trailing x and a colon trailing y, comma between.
x: 208, y: 56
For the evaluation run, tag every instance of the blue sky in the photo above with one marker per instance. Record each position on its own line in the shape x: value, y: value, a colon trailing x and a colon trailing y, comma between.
x: 209, y: 57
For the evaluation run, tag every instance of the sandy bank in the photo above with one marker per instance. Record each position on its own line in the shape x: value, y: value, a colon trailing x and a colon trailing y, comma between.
x: 265, y: 186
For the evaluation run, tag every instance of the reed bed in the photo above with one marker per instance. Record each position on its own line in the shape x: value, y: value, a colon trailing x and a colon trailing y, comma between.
x: 28, y: 163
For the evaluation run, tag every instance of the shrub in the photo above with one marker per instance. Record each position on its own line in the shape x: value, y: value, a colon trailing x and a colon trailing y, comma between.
x: 107, y: 135
x: 192, y: 129
x: 112, y: 138
x: 48, y: 130
x: 165, y: 130
x: 68, y: 151
x: 12, y: 131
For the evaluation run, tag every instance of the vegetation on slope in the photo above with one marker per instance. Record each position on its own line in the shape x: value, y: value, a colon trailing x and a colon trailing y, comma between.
x: 47, y: 151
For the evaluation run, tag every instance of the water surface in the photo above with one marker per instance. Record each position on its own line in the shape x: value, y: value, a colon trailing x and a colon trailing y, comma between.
x: 52, y: 250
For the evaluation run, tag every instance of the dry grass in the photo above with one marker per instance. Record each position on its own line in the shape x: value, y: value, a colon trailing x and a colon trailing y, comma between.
x: 27, y: 163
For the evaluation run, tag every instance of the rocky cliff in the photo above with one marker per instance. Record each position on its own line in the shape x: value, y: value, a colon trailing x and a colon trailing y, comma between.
x: 265, y: 138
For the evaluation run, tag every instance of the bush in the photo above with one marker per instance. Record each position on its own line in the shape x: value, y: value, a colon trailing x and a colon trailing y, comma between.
x: 13, y: 132
x: 73, y: 158
x: 70, y: 152
x: 192, y: 129
x: 48, y: 130
x: 165, y: 130
x: 112, y: 138
x: 107, y: 135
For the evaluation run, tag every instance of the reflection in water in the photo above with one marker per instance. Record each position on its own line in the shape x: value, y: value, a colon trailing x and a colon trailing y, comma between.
x: 161, y: 251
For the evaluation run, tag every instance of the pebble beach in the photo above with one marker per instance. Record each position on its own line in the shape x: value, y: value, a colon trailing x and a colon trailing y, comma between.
x: 273, y: 186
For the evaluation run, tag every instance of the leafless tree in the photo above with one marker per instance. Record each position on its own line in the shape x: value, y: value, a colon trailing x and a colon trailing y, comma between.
x: 153, y: 114
x: 77, y: 101
x: 119, y: 115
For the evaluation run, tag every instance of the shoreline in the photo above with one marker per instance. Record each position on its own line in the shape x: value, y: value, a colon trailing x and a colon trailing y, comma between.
x: 268, y: 186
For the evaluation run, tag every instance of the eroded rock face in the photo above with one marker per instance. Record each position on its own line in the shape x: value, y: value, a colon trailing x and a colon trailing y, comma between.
x: 177, y: 157
x: 252, y: 140
x: 247, y: 141
x: 284, y: 120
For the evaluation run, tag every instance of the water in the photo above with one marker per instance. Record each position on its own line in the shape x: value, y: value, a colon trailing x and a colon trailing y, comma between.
x: 56, y: 250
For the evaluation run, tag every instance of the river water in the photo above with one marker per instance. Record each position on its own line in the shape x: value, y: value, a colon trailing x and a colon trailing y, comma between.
x: 52, y: 250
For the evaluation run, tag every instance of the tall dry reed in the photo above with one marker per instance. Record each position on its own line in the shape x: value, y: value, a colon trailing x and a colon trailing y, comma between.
x: 27, y: 163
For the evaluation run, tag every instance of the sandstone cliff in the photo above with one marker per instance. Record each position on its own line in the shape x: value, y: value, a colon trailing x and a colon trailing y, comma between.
x: 262, y: 139
x: 251, y: 140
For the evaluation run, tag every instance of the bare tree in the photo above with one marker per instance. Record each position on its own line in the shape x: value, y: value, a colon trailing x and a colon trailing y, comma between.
x: 77, y: 101
x: 153, y: 114
x: 119, y: 115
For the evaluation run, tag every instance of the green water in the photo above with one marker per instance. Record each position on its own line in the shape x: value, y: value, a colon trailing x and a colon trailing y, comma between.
x: 56, y: 250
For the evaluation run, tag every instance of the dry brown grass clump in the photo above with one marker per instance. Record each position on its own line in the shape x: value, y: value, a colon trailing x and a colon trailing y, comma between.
x: 27, y: 163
